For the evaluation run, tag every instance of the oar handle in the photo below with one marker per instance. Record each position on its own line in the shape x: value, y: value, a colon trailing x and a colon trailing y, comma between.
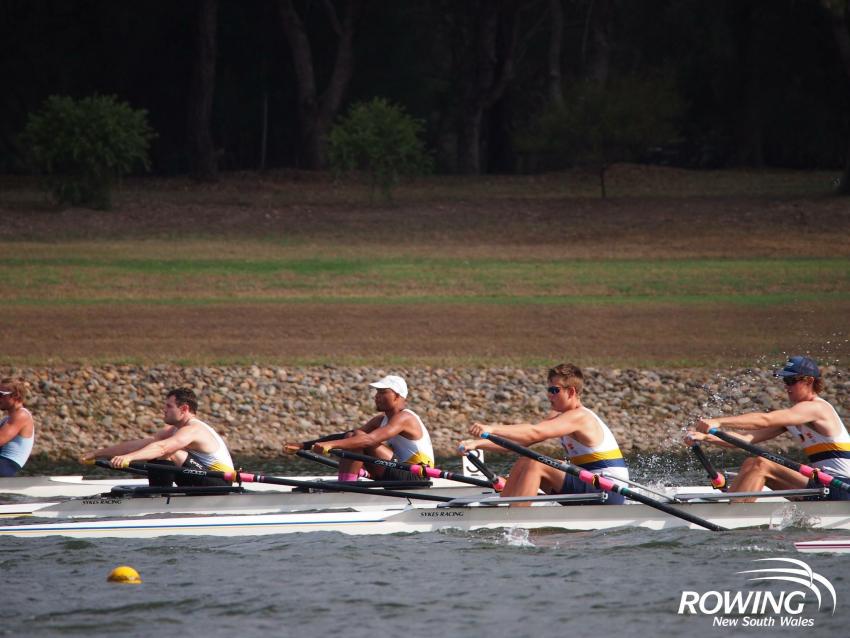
x: 130, y: 470
x: 806, y: 470
x: 306, y: 445
x: 600, y: 482
x: 415, y: 468
x: 718, y: 479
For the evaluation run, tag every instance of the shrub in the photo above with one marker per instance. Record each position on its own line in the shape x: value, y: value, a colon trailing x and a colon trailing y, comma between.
x: 599, y: 125
x: 80, y: 147
x: 380, y: 138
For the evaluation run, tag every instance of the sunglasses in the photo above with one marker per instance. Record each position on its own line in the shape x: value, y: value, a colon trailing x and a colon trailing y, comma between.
x: 789, y: 381
x: 554, y: 389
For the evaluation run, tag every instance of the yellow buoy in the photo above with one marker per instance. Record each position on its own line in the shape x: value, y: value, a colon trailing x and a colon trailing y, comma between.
x: 124, y: 574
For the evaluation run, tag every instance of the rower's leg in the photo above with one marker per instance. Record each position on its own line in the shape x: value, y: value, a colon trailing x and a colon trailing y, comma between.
x: 756, y: 472
x: 528, y: 476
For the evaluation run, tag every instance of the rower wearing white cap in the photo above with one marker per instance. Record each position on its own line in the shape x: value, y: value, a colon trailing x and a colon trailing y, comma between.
x: 396, y: 434
x: 811, y: 420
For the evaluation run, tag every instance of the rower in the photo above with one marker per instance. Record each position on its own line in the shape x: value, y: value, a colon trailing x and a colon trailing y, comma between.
x: 17, y: 428
x: 587, y: 441
x: 185, y: 441
x: 396, y: 434
x: 812, y: 421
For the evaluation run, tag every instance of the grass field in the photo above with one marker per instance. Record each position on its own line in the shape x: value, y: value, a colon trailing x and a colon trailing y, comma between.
x: 676, y: 268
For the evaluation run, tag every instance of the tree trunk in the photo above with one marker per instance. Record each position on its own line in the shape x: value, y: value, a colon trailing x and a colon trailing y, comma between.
x: 316, y: 112
x: 836, y: 12
x: 556, y: 38
x: 202, y: 153
x: 600, y: 37
x: 485, y: 71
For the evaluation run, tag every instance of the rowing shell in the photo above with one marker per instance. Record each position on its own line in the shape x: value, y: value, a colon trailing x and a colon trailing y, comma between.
x: 127, y: 504
x: 54, y: 487
x: 825, y: 545
x: 822, y: 514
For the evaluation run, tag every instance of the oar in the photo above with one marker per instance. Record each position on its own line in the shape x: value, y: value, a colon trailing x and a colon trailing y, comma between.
x: 806, y: 470
x: 306, y: 445
x: 318, y: 458
x: 475, y: 459
x: 419, y: 470
x: 718, y: 479
x: 598, y: 481
x: 130, y: 470
x: 245, y: 477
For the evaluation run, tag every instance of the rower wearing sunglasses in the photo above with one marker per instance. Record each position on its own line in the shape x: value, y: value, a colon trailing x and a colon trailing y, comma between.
x: 587, y: 441
x: 811, y: 420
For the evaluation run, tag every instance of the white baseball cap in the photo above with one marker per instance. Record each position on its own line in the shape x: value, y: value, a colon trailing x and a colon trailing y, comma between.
x: 394, y: 383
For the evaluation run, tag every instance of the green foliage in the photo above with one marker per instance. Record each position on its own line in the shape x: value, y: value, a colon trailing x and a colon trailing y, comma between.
x: 382, y: 139
x: 598, y: 125
x: 80, y: 147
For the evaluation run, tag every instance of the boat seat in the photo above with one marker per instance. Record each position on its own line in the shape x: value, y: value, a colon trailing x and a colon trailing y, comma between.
x: 147, y: 490
x: 376, y: 485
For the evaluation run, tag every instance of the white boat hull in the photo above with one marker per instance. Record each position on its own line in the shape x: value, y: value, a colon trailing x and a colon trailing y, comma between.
x: 825, y: 545
x: 111, y: 505
x: 823, y: 514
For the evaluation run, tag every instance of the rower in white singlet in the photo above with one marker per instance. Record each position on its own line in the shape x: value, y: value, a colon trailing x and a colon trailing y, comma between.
x: 17, y: 428
x: 814, y: 423
x: 587, y: 441
x: 185, y: 441
x: 396, y: 434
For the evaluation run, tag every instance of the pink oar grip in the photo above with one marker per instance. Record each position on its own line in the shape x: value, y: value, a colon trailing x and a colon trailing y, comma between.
x: 606, y: 483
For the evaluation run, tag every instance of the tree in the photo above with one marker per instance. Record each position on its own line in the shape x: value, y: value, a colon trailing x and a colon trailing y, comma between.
x: 599, y: 125
x: 382, y: 139
x: 316, y: 111
x: 203, y: 164
x: 836, y: 12
x: 485, y: 41
x: 80, y: 147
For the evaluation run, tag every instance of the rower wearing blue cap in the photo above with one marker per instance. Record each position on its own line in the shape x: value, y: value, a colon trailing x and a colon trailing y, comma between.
x: 811, y: 420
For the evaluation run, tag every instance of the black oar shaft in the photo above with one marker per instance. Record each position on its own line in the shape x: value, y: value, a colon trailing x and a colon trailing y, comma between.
x: 718, y: 480
x: 806, y: 470
x: 420, y: 470
x: 600, y: 481
x: 276, y: 480
x: 473, y: 457
x: 318, y: 458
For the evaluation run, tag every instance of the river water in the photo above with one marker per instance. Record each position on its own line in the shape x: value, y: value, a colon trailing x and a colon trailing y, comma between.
x: 626, y: 582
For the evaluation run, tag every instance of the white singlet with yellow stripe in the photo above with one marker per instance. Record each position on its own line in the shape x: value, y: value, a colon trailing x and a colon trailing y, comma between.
x: 605, y: 456
x: 409, y: 451
x: 828, y: 453
x: 219, y: 460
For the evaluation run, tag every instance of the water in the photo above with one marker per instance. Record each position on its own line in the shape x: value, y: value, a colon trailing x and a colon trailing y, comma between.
x: 516, y: 583
x: 492, y: 583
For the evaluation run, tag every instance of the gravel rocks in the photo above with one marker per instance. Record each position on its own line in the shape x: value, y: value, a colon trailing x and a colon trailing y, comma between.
x: 258, y: 408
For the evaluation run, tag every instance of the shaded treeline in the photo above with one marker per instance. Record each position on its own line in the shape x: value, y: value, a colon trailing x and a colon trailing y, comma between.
x: 246, y: 85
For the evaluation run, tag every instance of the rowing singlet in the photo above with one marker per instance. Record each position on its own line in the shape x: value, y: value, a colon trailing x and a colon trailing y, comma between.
x: 19, y: 448
x: 831, y: 454
x: 605, y: 456
x: 219, y: 460
x: 409, y: 451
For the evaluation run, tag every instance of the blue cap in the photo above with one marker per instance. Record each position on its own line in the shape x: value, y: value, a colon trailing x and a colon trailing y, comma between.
x: 799, y: 367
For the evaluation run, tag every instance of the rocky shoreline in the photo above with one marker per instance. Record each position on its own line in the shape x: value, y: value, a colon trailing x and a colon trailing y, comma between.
x: 258, y: 408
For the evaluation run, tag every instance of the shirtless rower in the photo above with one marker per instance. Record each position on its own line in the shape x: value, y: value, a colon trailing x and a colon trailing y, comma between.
x: 17, y: 429
x: 587, y: 441
x: 185, y: 441
x: 811, y: 420
x: 396, y: 434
